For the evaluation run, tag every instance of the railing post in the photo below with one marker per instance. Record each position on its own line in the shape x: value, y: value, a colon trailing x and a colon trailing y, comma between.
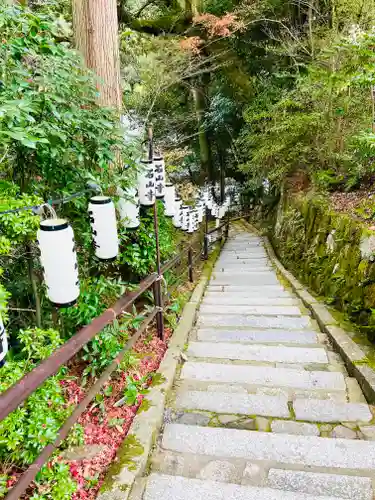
x: 190, y: 264
x: 226, y: 234
x: 205, y: 242
x: 157, y: 285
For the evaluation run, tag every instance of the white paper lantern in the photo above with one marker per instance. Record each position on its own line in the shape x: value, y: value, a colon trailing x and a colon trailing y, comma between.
x: 128, y: 207
x: 147, y: 184
x: 177, y: 212
x: 59, y: 261
x: 159, y: 168
x: 3, y: 343
x: 185, y: 217
x: 104, y: 227
x: 195, y: 219
x: 169, y: 199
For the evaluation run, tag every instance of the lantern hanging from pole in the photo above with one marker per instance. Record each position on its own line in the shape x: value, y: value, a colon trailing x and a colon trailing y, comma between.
x: 3, y: 343
x: 159, y: 168
x: 185, y: 218
x: 128, y: 207
x: 59, y: 261
x: 169, y: 199
x: 104, y: 227
x: 147, y: 184
x: 177, y: 212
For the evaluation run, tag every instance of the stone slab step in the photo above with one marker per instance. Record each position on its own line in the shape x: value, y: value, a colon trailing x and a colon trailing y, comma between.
x: 284, y: 322
x: 274, y: 336
x: 255, y: 300
x: 264, y: 376
x: 249, y: 260
x: 256, y: 279
x: 317, y: 484
x: 213, y: 287
x: 307, y: 451
x: 242, y: 404
x: 163, y: 487
x: 256, y: 310
x: 243, y: 270
x: 329, y: 411
x: 262, y: 353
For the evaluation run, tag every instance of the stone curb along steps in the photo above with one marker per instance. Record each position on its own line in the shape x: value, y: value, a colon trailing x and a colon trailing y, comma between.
x: 351, y: 353
x: 262, y: 407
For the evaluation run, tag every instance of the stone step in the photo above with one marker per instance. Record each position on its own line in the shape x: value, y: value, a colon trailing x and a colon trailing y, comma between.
x: 330, y: 411
x: 242, y: 404
x: 224, y: 270
x: 256, y: 279
x: 249, y: 260
x: 255, y: 300
x: 283, y: 322
x: 263, y: 376
x: 307, y: 451
x: 318, y: 484
x: 164, y: 487
x: 274, y: 336
x: 262, y: 353
x: 247, y: 289
x: 256, y: 310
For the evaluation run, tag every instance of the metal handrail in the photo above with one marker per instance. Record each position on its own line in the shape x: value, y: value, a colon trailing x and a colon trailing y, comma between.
x: 19, y: 392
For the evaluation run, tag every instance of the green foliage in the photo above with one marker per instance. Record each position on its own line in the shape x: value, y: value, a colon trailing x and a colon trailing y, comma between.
x: 322, y: 126
x: 135, y: 386
x: 138, y: 249
x: 25, y: 432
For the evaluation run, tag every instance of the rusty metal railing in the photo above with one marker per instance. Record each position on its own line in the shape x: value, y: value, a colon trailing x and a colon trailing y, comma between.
x: 13, y: 397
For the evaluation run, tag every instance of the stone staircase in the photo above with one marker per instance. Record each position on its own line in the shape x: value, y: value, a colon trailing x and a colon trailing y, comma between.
x: 262, y: 409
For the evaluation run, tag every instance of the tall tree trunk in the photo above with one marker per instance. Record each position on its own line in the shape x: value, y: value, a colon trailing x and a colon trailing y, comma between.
x: 96, y: 37
x: 204, y: 145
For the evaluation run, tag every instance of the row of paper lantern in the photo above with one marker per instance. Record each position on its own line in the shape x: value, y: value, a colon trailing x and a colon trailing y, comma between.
x: 56, y: 239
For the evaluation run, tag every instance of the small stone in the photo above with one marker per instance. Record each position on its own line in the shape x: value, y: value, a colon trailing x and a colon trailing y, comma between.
x: 297, y: 428
x: 350, y: 425
x: 219, y: 470
x: 227, y: 419
x: 368, y: 432
x: 343, y: 432
x: 253, y: 475
x: 247, y: 424
x: 194, y: 419
x: 326, y: 428
x: 262, y: 424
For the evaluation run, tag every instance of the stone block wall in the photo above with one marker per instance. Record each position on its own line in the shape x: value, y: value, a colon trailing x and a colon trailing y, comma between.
x: 331, y: 253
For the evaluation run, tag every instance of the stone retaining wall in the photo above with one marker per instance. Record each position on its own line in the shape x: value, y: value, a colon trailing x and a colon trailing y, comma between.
x: 331, y: 253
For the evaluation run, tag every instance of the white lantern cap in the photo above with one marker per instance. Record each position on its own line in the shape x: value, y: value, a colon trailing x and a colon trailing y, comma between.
x: 147, y: 184
x: 185, y: 217
x: 177, y: 213
x: 59, y: 261
x: 159, y: 169
x: 104, y: 227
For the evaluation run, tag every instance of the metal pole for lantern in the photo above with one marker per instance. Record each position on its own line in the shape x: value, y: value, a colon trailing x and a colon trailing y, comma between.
x: 205, y: 243
x: 157, y: 285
